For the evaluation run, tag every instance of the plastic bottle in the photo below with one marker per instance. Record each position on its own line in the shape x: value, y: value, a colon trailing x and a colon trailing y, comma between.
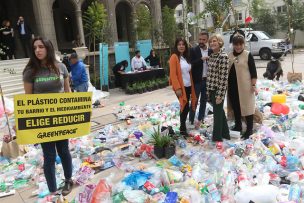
x: 296, y: 176
x: 213, y: 191
x: 243, y: 180
x: 294, y: 193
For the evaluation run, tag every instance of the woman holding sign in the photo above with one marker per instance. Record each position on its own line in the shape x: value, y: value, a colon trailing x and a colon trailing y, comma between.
x: 44, y: 74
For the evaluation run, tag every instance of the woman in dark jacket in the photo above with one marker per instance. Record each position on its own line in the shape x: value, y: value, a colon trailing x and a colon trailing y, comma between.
x: 153, y: 59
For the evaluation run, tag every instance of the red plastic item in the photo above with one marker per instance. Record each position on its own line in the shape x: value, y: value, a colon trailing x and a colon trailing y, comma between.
x: 279, y: 109
x: 144, y: 148
x: 283, y: 161
x: 102, y: 192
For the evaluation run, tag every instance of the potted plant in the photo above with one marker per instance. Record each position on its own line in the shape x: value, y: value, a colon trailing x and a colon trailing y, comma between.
x: 157, y: 141
x: 144, y: 86
x: 150, y: 86
x: 130, y: 89
x: 158, y: 81
x: 169, y: 146
x: 139, y: 88
x: 153, y: 85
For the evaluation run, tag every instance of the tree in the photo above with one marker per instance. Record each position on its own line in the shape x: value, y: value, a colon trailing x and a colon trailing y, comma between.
x: 169, y: 26
x: 218, y: 9
x: 96, y: 27
x: 265, y: 21
x: 255, y: 8
x: 144, y: 23
x: 293, y: 17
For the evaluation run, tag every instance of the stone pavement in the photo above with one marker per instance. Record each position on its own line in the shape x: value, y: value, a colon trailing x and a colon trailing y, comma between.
x: 105, y: 115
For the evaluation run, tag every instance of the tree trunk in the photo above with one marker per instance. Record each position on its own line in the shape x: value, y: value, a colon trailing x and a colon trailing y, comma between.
x: 94, y: 61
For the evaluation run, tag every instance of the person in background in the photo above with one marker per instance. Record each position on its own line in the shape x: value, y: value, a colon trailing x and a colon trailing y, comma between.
x: 79, y: 74
x: 153, y: 59
x: 199, y: 60
x: 25, y: 34
x: 138, y: 62
x: 181, y: 81
x: 273, y: 70
x: 242, y: 85
x: 66, y: 62
x: 43, y: 74
x: 118, y: 69
x: 8, y: 40
x: 217, y: 82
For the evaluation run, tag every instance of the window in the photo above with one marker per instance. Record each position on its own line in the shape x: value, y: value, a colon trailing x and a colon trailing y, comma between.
x: 240, y: 16
x: 237, y: 2
x: 281, y: 9
x: 179, y: 12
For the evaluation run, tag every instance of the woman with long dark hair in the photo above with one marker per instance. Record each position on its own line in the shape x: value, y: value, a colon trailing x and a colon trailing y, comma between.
x: 181, y: 80
x: 153, y: 59
x: 44, y: 74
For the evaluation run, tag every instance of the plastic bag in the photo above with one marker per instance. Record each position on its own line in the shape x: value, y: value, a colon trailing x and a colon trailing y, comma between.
x: 260, y: 194
x: 102, y: 193
x: 85, y: 195
x: 135, y: 196
x: 137, y: 179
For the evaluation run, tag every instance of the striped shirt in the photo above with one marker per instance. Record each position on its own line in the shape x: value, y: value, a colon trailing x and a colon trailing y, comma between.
x: 217, y: 75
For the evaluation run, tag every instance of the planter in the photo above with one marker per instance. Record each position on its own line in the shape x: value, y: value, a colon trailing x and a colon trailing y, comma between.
x: 159, y: 152
x: 294, y: 77
x: 139, y: 91
x: 169, y: 151
x: 82, y: 52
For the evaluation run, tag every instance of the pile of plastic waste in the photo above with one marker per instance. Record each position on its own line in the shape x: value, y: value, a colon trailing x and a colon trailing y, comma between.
x: 264, y: 169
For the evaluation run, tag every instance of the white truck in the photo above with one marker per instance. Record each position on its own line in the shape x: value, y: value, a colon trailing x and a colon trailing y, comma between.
x: 259, y: 43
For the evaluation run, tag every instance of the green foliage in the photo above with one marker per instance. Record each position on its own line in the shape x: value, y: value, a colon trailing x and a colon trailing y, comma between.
x: 218, y: 9
x: 169, y: 26
x: 95, y: 21
x: 144, y: 23
x: 160, y: 140
x: 96, y: 27
x: 266, y: 21
x: 256, y: 8
x: 296, y: 17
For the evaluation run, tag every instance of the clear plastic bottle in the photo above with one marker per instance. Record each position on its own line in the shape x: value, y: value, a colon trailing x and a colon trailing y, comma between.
x: 296, y: 176
x: 243, y: 180
x: 294, y: 193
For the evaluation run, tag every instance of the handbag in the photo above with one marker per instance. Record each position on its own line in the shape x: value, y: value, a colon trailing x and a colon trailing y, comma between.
x: 294, y: 77
x: 9, y: 148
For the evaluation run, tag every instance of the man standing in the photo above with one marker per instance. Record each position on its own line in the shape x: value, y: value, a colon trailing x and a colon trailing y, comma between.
x: 138, y: 62
x: 199, y: 61
x: 25, y: 34
x: 79, y: 74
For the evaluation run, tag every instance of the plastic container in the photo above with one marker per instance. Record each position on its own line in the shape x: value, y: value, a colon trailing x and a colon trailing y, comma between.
x: 278, y: 98
x: 296, y: 176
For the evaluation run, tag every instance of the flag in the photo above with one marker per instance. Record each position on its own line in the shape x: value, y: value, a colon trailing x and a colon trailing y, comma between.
x: 248, y: 19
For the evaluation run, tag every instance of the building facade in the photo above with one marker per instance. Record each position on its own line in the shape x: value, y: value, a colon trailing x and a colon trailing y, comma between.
x: 61, y: 20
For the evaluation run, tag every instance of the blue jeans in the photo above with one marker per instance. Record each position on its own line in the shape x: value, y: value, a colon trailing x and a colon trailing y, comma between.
x: 49, y: 154
x: 200, y: 90
x: 82, y: 87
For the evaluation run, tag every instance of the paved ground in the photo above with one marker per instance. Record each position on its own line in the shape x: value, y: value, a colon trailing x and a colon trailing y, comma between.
x: 104, y: 115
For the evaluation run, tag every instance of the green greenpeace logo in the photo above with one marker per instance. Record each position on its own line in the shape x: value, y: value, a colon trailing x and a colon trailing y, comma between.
x: 46, y: 79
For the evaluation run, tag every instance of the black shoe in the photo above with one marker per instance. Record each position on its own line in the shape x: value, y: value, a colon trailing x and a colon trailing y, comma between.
x: 184, y: 133
x: 246, y: 135
x: 237, y: 128
x: 67, y: 188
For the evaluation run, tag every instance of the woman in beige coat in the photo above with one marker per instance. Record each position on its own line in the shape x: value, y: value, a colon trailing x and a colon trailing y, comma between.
x: 242, y: 85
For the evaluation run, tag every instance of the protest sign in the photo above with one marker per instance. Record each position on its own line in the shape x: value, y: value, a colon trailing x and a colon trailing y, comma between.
x: 50, y: 117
